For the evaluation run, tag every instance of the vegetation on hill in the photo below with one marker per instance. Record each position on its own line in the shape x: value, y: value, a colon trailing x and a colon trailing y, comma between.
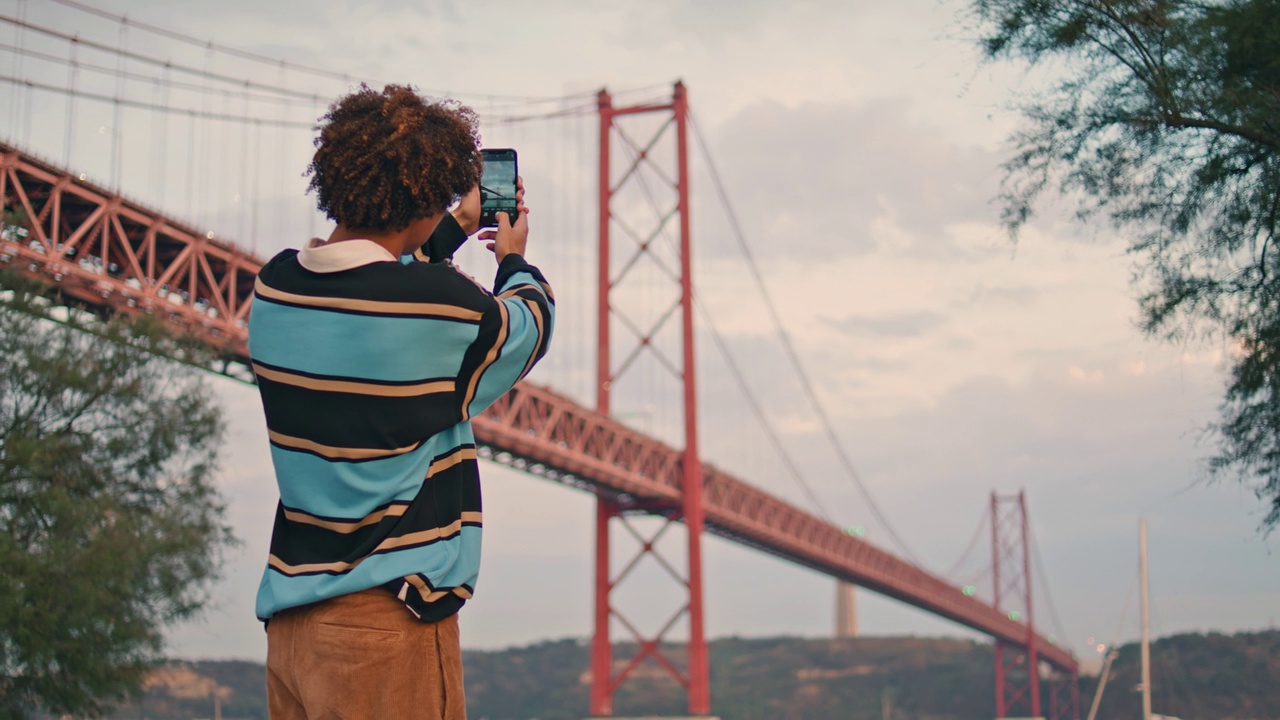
x: 1195, y: 677
x: 1226, y: 677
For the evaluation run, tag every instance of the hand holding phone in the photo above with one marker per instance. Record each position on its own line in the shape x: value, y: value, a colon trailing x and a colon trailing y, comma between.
x: 508, y: 238
x: 498, y: 186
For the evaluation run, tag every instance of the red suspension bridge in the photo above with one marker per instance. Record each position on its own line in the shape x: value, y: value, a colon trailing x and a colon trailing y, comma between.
x: 101, y: 252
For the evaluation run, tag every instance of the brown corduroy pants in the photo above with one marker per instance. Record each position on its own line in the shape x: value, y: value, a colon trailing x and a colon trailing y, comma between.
x: 363, y: 655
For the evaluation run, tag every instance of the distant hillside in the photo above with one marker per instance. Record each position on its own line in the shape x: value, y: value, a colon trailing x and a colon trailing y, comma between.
x: 1226, y: 677
x: 750, y: 680
x: 185, y: 690
x: 1195, y: 677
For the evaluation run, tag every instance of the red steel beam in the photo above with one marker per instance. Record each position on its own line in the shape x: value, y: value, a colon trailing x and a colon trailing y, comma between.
x: 694, y: 514
x: 144, y: 262
x: 536, y: 430
x: 107, y: 254
x: 601, y: 700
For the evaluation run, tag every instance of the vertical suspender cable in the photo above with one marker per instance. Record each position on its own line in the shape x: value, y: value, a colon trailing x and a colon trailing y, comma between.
x: 281, y: 160
x: 157, y: 141
x: 553, y: 137
x: 117, y: 131
x: 152, y: 150
x: 190, y: 170
x: 164, y: 138
x: 224, y: 151
x: 73, y: 49
x: 19, y: 39
x: 580, y: 349
x: 17, y: 63
x: 239, y: 173
x: 202, y: 171
x: 308, y: 207
x: 256, y: 192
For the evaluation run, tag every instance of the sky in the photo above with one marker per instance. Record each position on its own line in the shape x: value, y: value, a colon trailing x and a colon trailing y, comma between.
x: 860, y: 146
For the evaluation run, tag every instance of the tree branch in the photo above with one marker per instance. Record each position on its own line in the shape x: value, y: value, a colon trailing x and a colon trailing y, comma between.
x: 1157, y: 85
x: 1178, y: 120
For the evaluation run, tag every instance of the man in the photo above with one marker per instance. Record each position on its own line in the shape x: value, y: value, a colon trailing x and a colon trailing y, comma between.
x: 372, y: 352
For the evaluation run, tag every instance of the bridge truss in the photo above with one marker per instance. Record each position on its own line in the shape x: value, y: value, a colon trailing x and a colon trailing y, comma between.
x: 103, y: 253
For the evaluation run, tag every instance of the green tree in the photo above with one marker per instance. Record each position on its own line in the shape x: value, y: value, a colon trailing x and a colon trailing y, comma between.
x: 1163, y: 117
x: 110, y: 526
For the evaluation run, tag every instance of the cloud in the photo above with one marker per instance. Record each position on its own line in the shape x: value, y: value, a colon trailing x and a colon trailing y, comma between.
x: 1080, y: 376
x: 900, y: 325
x: 838, y: 180
x: 983, y: 295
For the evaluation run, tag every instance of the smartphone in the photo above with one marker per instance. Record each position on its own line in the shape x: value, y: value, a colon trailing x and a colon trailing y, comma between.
x: 498, y: 186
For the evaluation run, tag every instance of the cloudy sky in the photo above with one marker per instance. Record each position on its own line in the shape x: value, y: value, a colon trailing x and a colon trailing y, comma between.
x: 859, y: 145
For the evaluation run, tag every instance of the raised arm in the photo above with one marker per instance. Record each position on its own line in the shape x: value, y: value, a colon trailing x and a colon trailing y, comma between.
x: 516, y: 330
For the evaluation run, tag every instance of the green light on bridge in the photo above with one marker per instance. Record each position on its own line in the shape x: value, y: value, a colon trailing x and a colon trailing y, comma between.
x: 855, y: 531
x: 969, y: 590
x: 1014, y: 615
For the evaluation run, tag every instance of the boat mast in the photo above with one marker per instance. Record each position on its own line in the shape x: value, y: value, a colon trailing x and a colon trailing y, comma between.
x: 1146, y: 620
x: 1112, y: 654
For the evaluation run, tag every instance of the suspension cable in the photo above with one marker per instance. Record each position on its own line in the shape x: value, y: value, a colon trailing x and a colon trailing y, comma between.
x: 769, y: 431
x: 1044, y: 583
x: 582, y: 109
x: 158, y: 80
x: 735, y: 370
x: 970, y: 546
x: 790, y: 351
x: 209, y: 44
x: 277, y: 93
x: 287, y: 92
x: 190, y: 112
x: 279, y: 62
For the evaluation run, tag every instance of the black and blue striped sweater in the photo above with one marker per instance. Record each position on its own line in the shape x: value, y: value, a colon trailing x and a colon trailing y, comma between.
x: 370, y: 368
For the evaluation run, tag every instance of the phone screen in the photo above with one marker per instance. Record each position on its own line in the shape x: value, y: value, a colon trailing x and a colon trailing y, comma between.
x: 498, y: 186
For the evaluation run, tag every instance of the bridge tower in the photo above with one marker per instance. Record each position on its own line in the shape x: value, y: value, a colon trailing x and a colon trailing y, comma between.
x: 613, y: 511
x: 846, y: 611
x: 1017, y: 666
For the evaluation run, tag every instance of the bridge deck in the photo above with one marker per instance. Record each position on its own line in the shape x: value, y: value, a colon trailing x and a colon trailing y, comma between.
x: 112, y: 255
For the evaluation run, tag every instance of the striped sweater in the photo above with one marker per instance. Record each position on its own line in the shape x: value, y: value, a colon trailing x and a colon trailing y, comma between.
x: 369, y: 368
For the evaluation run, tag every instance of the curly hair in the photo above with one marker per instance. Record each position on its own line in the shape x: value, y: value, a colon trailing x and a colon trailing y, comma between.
x: 384, y: 159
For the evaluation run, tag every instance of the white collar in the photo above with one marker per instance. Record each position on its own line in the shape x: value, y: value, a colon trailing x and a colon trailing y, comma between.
x: 320, y: 257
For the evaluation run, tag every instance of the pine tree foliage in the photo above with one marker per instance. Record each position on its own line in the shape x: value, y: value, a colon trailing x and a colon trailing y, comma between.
x: 110, y: 524
x: 1165, y: 120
